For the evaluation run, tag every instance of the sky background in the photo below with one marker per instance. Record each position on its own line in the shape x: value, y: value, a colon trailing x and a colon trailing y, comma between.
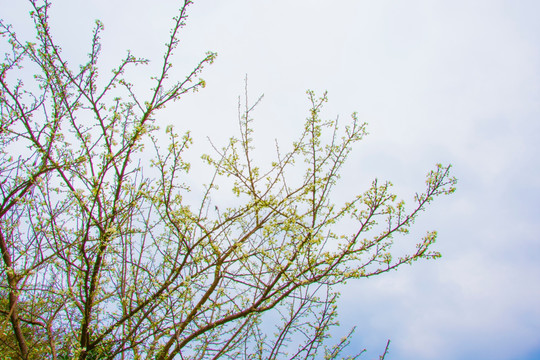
x: 438, y: 81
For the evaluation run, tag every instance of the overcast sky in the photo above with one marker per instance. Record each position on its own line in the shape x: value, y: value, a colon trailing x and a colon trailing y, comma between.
x: 438, y: 81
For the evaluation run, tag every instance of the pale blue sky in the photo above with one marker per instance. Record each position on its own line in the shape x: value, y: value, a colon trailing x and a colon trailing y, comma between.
x: 438, y: 81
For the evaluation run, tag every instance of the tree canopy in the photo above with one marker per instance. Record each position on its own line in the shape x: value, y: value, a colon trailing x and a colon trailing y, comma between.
x: 104, y: 257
